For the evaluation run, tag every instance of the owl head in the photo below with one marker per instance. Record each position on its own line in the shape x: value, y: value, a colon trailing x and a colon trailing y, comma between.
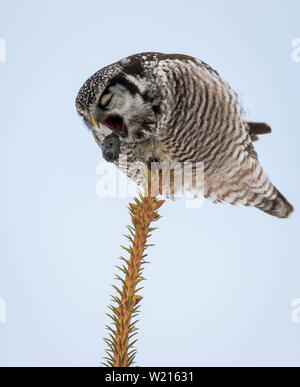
x: 121, y: 98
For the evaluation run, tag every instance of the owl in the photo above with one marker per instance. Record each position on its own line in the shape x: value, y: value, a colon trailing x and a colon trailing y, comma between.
x: 173, y: 108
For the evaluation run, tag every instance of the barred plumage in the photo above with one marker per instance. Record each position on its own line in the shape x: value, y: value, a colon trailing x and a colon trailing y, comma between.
x: 175, y: 108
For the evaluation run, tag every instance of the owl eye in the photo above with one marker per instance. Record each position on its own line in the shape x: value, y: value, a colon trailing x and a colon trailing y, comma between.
x: 105, y: 100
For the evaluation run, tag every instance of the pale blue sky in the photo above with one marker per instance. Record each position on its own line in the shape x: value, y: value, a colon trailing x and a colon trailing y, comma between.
x: 221, y: 281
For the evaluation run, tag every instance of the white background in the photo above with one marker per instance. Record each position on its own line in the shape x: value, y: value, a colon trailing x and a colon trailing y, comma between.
x: 221, y: 281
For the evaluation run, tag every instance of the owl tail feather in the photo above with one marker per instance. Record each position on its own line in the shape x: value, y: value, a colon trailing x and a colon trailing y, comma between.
x: 258, y: 128
x: 278, y: 207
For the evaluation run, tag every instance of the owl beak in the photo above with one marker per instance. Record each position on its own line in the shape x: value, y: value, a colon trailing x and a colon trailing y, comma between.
x: 94, y: 122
